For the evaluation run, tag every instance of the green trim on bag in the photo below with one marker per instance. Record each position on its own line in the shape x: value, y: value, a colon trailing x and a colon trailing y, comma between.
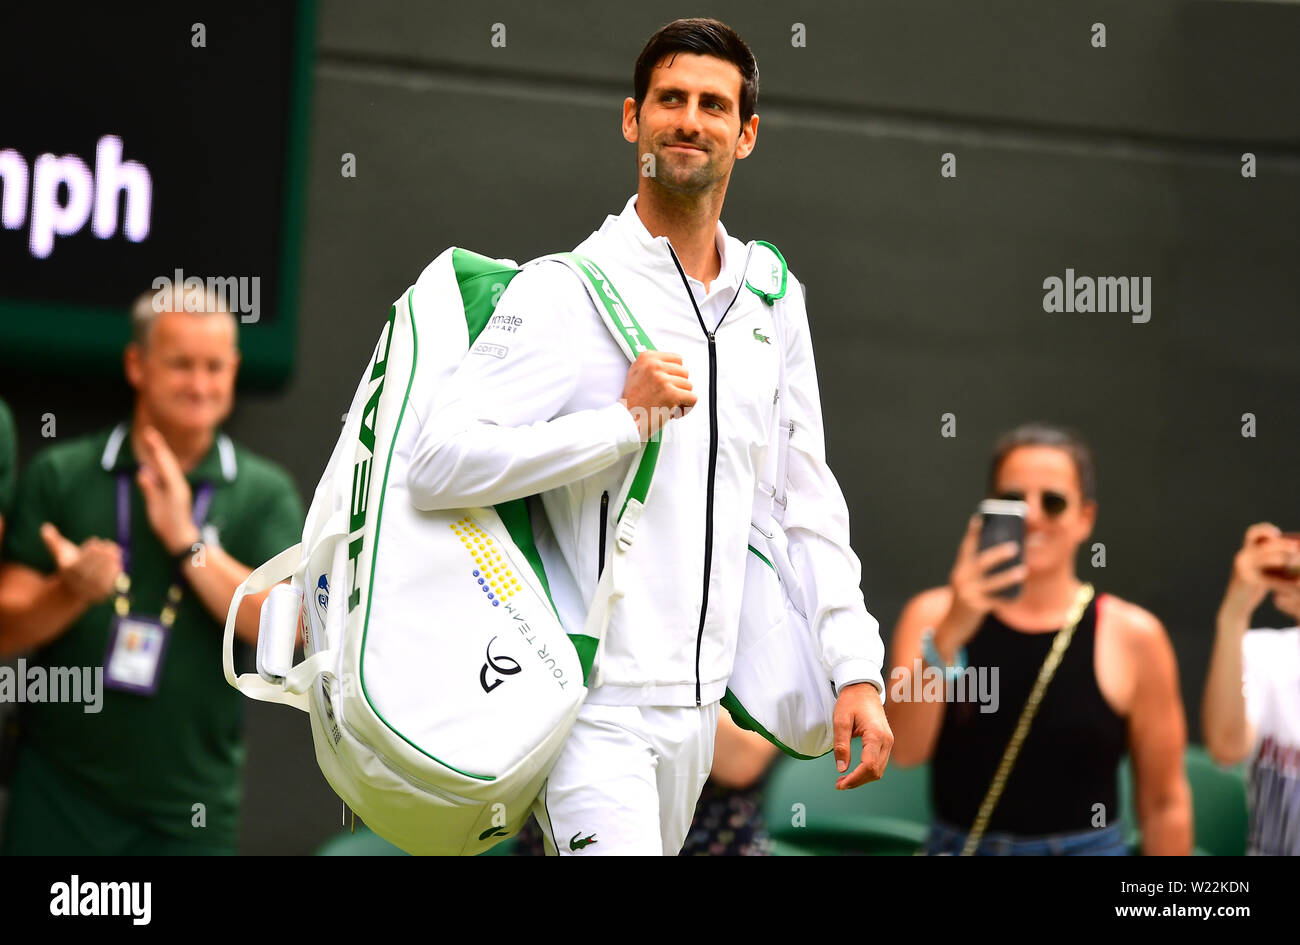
x: 518, y: 522
x: 763, y: 558
x: 379, y: 520
x: 586, y: 647
x: 637, y: 340
x: 479, y: 295
x: 771, y: 297
x: 645, y: 472
x: 741, y: 717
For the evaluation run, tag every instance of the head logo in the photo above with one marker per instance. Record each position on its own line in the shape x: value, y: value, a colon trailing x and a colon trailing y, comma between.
x: 365, y: 453
x: 631, y: 330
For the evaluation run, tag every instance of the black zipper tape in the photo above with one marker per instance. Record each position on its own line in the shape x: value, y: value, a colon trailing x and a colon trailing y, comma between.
x: 713, y: 453
x: 604, y: 525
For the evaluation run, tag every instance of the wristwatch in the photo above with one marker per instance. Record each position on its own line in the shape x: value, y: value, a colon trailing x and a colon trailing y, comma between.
x: 930, y: 653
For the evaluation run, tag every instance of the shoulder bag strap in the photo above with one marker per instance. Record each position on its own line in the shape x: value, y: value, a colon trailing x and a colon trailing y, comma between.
x: 1045, y: 674
x: 632, y: 339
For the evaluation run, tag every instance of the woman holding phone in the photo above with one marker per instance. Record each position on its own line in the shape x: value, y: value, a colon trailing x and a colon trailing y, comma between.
x: 1059, y: 682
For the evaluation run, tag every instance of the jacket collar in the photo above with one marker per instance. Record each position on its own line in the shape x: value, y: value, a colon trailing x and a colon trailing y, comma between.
x: 653, y: 252
x: 217, y: 465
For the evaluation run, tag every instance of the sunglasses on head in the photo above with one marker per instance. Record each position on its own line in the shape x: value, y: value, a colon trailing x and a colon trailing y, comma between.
x: 1053, y: 502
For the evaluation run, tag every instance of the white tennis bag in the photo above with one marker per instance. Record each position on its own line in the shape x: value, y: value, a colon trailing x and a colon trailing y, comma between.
x: 439, y: 680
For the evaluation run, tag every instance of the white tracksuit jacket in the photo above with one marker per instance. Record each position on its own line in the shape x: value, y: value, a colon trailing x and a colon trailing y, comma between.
x: 534, y: 409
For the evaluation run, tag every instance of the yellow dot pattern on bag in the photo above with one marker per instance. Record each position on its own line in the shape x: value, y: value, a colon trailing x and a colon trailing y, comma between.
x: 493, y: 574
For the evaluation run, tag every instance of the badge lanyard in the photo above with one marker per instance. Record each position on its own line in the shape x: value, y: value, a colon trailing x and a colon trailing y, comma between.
x: 137, y: 645
x: 122, y: 586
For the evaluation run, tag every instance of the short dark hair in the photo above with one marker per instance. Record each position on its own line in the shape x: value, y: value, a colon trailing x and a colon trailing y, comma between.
x: 1046, y: 434
x: 703, y: 37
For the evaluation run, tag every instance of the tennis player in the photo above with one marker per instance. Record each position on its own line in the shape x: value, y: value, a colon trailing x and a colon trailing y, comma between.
x: 547, y: 404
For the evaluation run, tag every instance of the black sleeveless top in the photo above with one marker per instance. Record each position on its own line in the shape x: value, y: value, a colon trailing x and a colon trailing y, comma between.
x: 1069, y: 760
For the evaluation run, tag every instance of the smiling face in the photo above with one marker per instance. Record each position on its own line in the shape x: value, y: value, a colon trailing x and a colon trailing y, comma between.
x: 1041, y: 476
x: 185, y: 375
x: 690, y: 124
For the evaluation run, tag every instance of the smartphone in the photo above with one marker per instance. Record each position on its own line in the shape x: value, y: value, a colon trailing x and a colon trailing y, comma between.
x: 1291, y: 570
x: 1003, y: 521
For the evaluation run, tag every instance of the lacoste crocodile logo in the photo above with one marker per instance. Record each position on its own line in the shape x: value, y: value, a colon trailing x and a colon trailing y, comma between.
x: 492, y: 832
x: 758, y: 336
x: 577, y: 844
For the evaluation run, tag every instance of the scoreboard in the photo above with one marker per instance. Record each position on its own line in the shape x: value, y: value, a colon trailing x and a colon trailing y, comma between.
x: 144, y: 143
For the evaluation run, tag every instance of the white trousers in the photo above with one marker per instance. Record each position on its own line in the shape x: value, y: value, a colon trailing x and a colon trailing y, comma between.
x: 627, y: 781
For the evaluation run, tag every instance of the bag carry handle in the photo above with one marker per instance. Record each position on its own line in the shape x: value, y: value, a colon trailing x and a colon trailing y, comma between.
x: 292, y: 688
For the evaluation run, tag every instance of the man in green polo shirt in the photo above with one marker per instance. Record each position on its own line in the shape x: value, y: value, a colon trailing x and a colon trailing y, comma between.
x: 122, y: 554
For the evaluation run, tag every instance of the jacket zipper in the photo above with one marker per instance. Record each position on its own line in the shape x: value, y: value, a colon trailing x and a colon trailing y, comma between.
x: 604, y: 524
x: 713, y: 454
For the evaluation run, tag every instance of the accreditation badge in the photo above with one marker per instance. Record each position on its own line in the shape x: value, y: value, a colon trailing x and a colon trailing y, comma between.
x: 136, y: 647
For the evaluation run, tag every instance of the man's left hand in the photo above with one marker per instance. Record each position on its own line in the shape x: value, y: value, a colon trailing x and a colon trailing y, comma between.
x: 168, y: 500
x: 859, y: 714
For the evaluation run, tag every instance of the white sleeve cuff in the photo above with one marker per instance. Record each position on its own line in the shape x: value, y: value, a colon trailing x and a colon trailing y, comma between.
x: 616, y: 420
x: 850, y: 671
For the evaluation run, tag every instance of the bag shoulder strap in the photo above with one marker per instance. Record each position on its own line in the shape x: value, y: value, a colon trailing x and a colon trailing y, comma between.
x: 632, y: 339
x: 767, y: 276
x: 610, y: 305
x: 1045, y: 674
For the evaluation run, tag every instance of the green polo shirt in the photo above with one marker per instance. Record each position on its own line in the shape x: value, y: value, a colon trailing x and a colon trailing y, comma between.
x: 8, y: 460
x: 150, y: 759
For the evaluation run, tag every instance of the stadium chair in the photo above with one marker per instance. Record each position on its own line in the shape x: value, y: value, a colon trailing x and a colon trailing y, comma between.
x: 365, y: 842
x: 1218, y: 804
x: 888, y: 817
x: 1127, y: 810
x: 1219, y: 814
